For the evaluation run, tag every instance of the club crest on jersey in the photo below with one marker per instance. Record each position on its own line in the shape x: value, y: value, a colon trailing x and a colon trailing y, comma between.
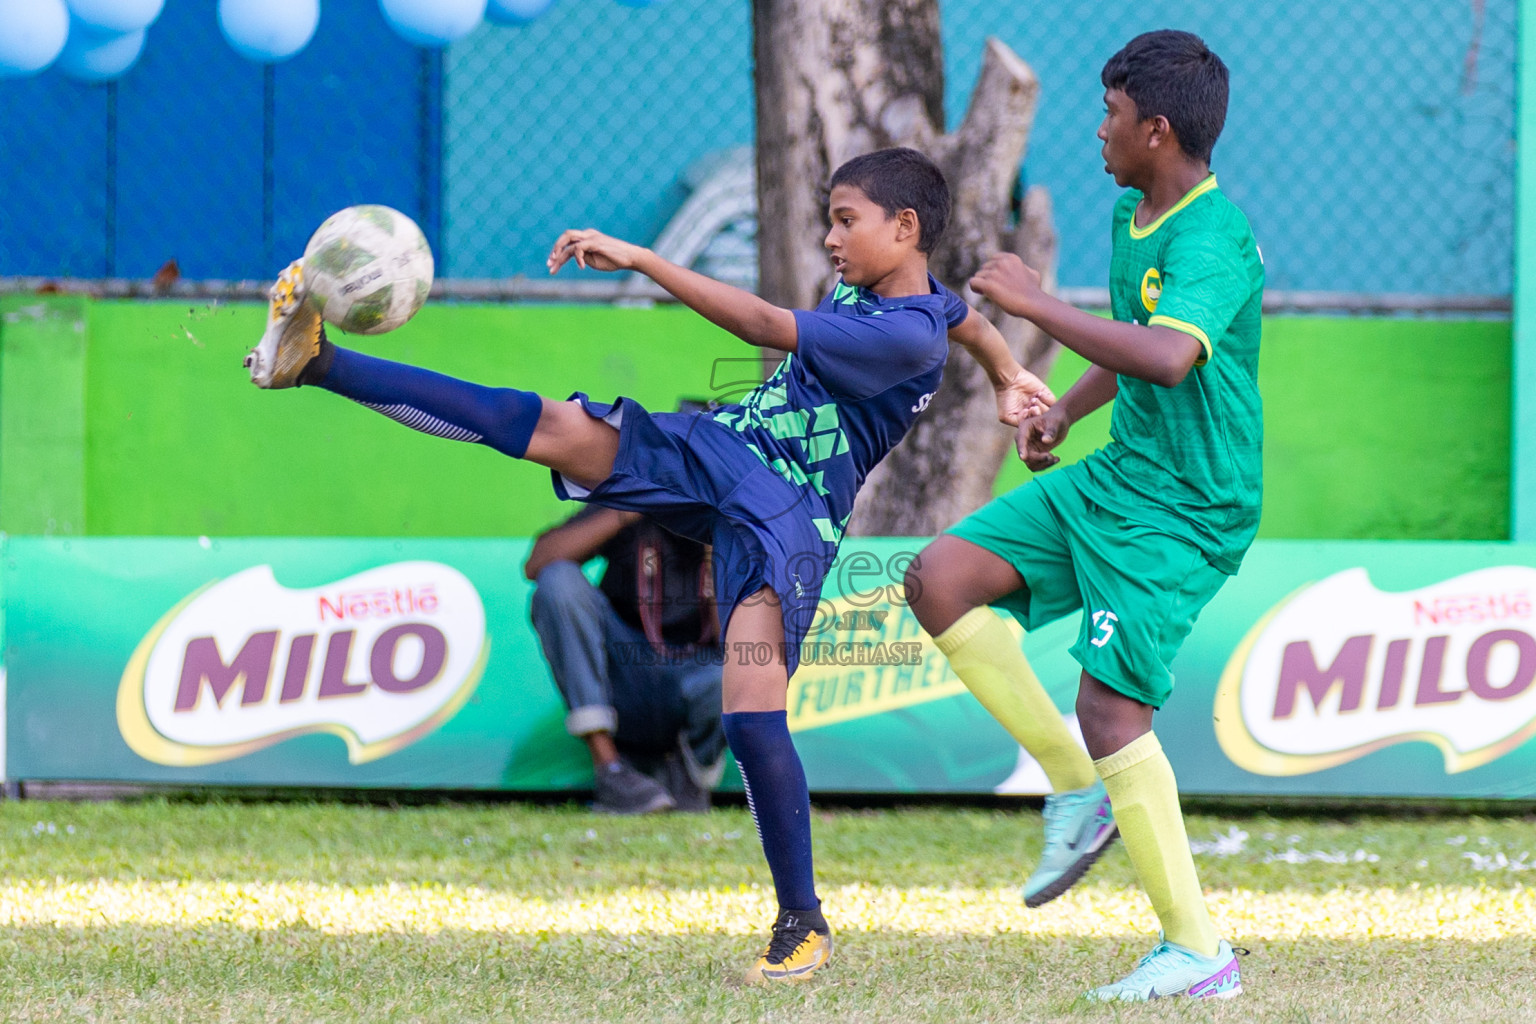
x: 379, y: 659
x: 1151, y: 289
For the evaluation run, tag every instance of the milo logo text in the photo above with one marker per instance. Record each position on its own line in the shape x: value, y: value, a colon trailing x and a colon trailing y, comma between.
x: 1341, y: 668
x: 379, y: 659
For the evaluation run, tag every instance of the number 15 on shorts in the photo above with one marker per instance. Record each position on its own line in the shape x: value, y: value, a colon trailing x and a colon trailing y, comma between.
x: 1104, y: 626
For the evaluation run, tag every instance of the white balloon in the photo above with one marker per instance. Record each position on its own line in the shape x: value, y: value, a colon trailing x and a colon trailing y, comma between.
x: 515, y: 12
x: 95, y: 56
x: 116, y: 16
x: 433, y: 22
x: 268, y: 30
x: 32, y: 33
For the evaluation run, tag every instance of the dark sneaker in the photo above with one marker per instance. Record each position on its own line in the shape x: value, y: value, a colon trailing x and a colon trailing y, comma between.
x: 690, y: 782
x: 293, y: 336
x: 688, y: 795
x: 801, y: 945
x: 622, y: 789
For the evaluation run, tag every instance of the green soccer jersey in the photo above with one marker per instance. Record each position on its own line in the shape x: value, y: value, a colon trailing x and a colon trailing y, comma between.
x: 1188, y: 459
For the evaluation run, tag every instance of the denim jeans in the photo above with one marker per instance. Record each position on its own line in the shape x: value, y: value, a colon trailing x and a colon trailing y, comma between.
x: 613, y: 681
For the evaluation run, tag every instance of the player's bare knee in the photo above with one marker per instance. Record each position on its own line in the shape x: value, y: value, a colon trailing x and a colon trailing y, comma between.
x: 1109, y: 719
x: 755, y: 677
x: 913, y: 589
x: 1095, y: 707
x: 573, y: 443
x: 940, y: 594
x: 568, y: 423
x: 1097, y: 736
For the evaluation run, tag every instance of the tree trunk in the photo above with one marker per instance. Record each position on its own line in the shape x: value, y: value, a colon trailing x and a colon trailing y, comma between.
x: 836, y: 78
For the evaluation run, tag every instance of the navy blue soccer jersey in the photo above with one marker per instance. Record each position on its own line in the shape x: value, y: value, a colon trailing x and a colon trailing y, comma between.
x: 770, y: 481
x: 864, y: 368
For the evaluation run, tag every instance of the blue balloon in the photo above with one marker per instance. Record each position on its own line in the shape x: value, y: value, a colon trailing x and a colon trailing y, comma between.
x: 117, y: 16
x: 268, y: 30
x: 32, y: 33
x: 516, y: 12
x: 95, y: 56
x: 433, y: 22
x: 639, y: 3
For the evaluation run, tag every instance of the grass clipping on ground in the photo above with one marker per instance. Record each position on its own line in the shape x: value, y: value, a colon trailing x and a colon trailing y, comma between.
x: 160, y: 911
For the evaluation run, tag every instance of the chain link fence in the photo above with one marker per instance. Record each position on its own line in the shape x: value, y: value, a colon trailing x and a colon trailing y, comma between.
x: 219, y: 163
x: 1372, y: 144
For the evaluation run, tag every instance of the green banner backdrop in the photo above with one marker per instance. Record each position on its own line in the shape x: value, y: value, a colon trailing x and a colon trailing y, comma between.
x: 1372, y: 669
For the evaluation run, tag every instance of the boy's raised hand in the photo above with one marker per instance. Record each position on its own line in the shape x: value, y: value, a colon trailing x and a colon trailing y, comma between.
x: 1008, y: 282
x: 593, y: 249
x: 1024, y: 396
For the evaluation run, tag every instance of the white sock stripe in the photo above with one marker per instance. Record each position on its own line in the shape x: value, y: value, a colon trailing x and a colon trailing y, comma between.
x: 414, y: 418
x: 751, y: 807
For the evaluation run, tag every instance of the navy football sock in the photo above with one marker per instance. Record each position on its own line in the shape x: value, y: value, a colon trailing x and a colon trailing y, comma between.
x: 778, y: 799
x: 432, y: 403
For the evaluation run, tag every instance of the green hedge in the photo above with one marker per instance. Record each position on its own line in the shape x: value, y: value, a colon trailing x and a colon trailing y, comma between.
x: 1375, y: 428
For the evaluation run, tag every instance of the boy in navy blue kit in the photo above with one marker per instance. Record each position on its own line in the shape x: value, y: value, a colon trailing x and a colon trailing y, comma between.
x: 770, y: 481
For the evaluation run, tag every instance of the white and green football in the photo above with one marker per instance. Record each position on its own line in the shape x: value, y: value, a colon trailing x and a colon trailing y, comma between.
x: 368, y: 269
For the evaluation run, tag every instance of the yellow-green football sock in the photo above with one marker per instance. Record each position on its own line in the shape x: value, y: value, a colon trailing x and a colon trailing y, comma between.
x: 987, y: 659
x: 1145, y: 799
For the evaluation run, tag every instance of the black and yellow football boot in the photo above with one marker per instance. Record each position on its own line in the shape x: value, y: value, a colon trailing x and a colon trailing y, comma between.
x: 801, y: 946
x: 294, y: 334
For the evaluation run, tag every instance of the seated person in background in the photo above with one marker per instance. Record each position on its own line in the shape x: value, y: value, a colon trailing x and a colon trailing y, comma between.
x: 637, y: 657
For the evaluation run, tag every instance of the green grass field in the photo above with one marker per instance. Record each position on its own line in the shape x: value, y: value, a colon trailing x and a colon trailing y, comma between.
x: 164, y: 911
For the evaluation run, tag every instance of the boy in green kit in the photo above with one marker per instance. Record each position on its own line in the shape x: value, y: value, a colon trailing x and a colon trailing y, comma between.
x: 1142, y: 533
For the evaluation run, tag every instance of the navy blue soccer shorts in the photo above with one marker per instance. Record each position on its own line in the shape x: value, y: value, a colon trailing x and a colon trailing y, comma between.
x: 701, y: 481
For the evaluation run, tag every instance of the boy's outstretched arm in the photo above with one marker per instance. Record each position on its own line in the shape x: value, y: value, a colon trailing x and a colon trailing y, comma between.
x: 1019, y: 392
x: 753, y: 320
x: 1160, y: 355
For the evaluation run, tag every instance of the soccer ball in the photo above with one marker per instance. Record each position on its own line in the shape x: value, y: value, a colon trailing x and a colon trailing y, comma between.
x: 368, y: 269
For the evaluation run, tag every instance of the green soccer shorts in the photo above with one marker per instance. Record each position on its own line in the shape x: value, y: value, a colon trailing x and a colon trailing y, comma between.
x: 1140, y: 589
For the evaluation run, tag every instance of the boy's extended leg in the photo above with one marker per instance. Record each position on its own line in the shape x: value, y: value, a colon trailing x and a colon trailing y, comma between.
x: 560, y: 435
x: 757, y: 728
x: 950, y: 586
x: 1191, y: 959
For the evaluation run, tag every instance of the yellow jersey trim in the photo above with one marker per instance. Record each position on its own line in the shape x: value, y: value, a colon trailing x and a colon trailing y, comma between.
x: 1185, y: 327
x: 1189, y: 197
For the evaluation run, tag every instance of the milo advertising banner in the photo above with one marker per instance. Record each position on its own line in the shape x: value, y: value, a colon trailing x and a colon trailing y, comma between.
x: 279, y: 662
x: 418, y: 627
x: 1374, y: 669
